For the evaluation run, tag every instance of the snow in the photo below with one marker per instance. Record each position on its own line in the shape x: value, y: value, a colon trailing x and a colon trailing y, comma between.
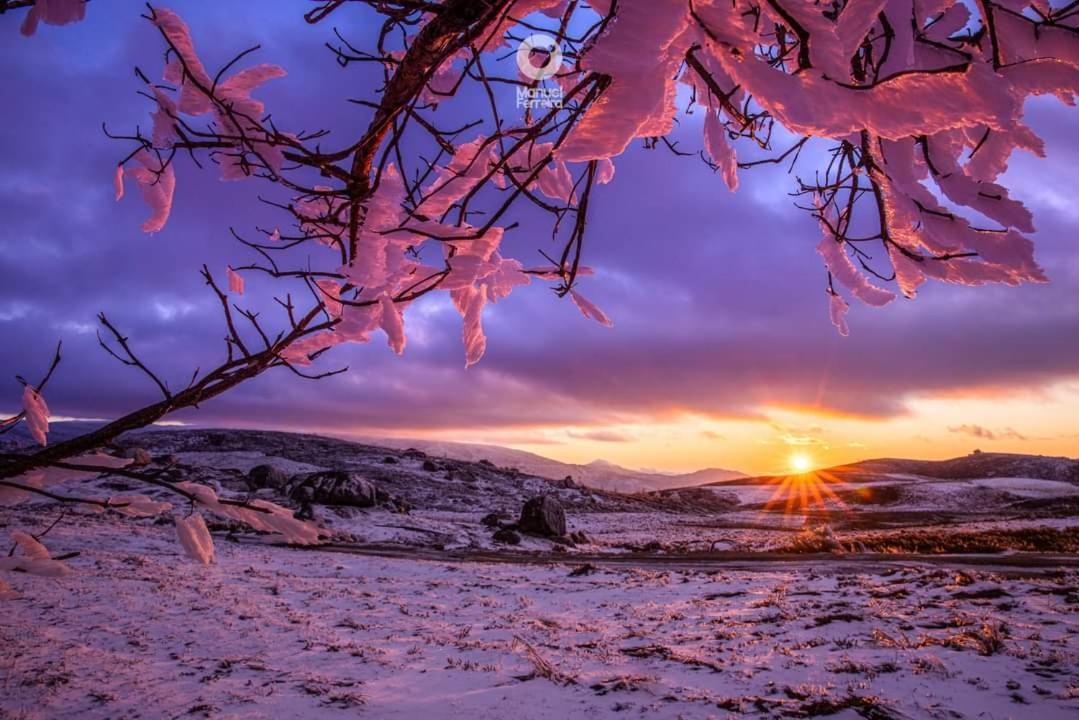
x: 274, y: 632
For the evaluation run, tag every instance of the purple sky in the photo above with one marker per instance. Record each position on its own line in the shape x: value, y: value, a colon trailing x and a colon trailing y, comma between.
x: 717, y: 298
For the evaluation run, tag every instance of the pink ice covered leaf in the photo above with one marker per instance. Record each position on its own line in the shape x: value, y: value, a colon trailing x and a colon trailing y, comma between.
x: 187, y: 69
x: 118, y: 182
x: 33, y: 558
x: 843, y: 270
x: 236, y: 281
x: 589, y: 309
x: 393, y: 323
x: 837, y: 311
x: 720, y: 150
x: 53, y: 12
x: 138, y: 505
x: 157, y: 183
x: 30, y: 546
x: 195, y: 538
x: 37, y: 414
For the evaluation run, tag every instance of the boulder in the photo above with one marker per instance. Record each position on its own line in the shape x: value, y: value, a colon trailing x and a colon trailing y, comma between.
x: 506, y: 536
x: 266, y: 476
x: 493, y: 520
x: 138, y: 456
x: 543, y: 516
x: 333, y: 487
x: 429, y: 466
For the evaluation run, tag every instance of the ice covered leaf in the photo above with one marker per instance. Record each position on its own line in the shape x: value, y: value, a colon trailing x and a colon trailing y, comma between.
x: 44, y: 567
x: 164, y: 119
x: 589, y: 310
x: 843, y: 270
x: 14, y: 496
x: 236, y: 282
x: 393, y: 323
x: 37, y: 414
x: 29, y: 545
x: 118, y: 182
x: 282, y: 521
x: 721, y: 152
x: 604, y: 171
x: 300, y: 352
x: 187, y: 69
x: 195, y: 538
x: 53, y: 12
x: 157, y: 183
x: 837, y: 311
x: 470, y: 302
x: 138, y: 505
x: 641, y: 51
x: 33, y: 558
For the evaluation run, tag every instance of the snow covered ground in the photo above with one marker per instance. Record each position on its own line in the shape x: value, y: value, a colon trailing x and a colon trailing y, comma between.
x: 139, y: 631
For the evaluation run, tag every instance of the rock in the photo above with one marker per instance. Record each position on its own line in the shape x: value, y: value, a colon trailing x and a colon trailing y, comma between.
x: 486, y: 463
x: 414, y: 453
x: 580, y: 538
x: 586, y: 569
x: 389, y: 460
x: 493, y: 520
x: 333, y: 487
x: 138, y: 456
x: 429, y: 466
x: 506, y: 536
x: 543, y: 516
x: 169, y: 459
x: 565, y: 483
x: 266, y: 476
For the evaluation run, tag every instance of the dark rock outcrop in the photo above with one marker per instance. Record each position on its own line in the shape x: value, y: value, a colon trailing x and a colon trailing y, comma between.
x: 493, y: 520
x: 543, y: 516
x: 266, y: 476
x: 507, y: 536
x: 333, y: 487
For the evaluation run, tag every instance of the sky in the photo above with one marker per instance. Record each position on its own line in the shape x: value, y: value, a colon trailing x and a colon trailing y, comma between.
x: 722, y: 353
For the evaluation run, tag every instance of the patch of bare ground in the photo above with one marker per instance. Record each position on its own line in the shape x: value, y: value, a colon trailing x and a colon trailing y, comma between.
x: 942, y: 541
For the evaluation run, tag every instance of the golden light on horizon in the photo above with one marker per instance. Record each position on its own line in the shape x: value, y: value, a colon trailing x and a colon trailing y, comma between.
x: 799, y: 463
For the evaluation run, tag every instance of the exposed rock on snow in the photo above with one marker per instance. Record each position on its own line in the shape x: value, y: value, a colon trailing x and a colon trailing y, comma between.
x: 507, y: 536
x: 333, y: 487
x: 543, y: 516
x: 267, y: 476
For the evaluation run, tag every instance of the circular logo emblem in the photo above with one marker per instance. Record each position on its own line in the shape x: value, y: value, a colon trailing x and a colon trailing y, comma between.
x: 543, y: 46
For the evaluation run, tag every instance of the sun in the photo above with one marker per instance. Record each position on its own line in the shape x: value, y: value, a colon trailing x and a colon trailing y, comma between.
x: 800, y: 463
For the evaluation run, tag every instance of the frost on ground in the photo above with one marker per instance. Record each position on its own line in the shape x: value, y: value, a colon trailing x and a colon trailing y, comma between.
x: 139, y: 631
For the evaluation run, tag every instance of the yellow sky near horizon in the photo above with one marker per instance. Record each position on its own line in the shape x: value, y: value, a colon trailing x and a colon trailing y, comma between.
x: 1041, y: 421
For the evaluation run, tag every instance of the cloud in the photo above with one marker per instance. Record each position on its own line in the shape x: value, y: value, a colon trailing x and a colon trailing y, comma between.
x: 608, y: 436
x: 980, y: 432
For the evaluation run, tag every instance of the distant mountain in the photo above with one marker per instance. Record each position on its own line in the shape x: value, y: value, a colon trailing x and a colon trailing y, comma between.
x: 977, y: 465
x: 599, y: 474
